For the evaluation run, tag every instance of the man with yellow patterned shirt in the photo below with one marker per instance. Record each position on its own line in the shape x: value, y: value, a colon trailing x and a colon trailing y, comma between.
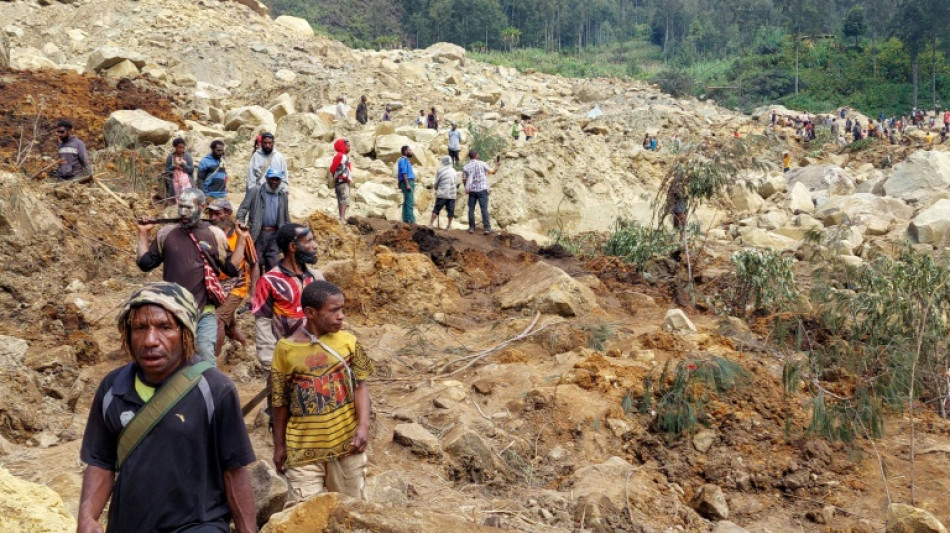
x: 320, y: 400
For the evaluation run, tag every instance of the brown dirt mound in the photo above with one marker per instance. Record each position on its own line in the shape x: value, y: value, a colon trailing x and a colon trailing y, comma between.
x: 40, y: 99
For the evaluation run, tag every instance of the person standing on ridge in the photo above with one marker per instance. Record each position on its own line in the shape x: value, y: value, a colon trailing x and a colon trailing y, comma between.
x: 73, y: 159
x: 342, y: 169
x: 362, y: 112
x: 406, y: 180
x: 455, y: 143
x: 475, y: 177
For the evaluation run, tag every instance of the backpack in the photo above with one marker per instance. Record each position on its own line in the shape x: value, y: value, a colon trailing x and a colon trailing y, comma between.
x: 334, y: 177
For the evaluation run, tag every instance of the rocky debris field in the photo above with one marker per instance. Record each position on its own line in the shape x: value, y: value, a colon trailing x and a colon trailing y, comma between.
x: 518, y: 384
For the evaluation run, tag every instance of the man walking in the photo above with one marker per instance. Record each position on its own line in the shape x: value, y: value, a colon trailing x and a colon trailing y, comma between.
x: 529, y: 130
x: 407, y: 183
x: 221, y: 215
x: 455, y: 143
x: 321, y: 401
x: 341, y: 169
x: 187, y: 251
x: 445, y: 192
x: 212, y: 176
x: 475, y: 177
x: 341, y: 108
x: 264, y: 210
x: 73, y: 159
x: 276, y: 302
x: 264, y: 159
x: 362, y: 112
x: 171, y: 427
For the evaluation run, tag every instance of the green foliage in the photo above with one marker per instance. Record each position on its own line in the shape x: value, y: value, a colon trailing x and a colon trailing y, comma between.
x: 674, y: 82
x: 854, y: 24
x: 487, y: 144
x: 763, y: 278
x: 684, y: 391
x: 598, y: 334
x: 588, y: 244
x: 636, y: 243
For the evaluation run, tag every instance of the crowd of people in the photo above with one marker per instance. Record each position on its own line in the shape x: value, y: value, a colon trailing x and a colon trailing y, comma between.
x: 169, y: 420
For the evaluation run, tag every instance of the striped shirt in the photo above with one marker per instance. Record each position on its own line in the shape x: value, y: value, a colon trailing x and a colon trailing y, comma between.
x: 476, y: 175
x: 316, y: 387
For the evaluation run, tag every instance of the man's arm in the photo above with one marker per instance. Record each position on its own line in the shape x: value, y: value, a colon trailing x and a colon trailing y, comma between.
x: 238, y: 255
x: 237, y: 486
x: 84, y: 158
x: 189, y: 166
x: 97, y: 484
x: 245, y: 206
x: 363, y: 407
x: 281, y: 414
x: 146, y: 251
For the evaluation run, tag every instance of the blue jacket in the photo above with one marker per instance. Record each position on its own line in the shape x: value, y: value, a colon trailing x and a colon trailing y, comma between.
x: 405, y: 170
x: 212, y: 177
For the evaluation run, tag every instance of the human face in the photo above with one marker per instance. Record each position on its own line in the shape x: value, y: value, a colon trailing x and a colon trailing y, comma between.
x: 62, y: 133
x: 273, y: 182
x: 327, y: 319
x: 267, y: 145
x: 156, y: 342
x: 189, y: 209
x: 220, y: 218
x: 180, y: 149
x: 218, y: 151
x: 305, y: 249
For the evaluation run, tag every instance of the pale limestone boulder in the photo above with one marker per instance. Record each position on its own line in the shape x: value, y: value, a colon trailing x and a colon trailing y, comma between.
x: 302, y: 129
x: 903, y: 518
x: 932, y: 225
x: 744, y: 198
x: 446, y: 52
x: 822, y: 181
x: 490, y: 97
x: 106, y: 56
x: 761, y: 238
x: 548, y: 289
x: 122, y: 69
x: 418, y: 439
x: 29, y: 58
x: 254, y: 116
x: 135, y: 126
x: 799, y: 200
x: 710, y: 502
x: 420, y: 135
x: 861, y: 208
x: 919, y: 175
x: 31, y: 507
x: 281, y: 106
x: 295, y: 24
x: 677, y: 321
x: 23, y: 213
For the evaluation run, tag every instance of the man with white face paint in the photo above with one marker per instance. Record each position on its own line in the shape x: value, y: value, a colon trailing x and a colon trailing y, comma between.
x: 183, y: 249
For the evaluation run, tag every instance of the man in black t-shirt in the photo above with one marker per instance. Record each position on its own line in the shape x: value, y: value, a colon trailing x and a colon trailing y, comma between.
x: 188, y: 473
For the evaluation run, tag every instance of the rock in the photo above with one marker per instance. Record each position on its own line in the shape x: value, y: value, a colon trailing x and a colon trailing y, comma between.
x: 642, y: 301
x: 761, y: 238
x: 799, y: 199
x: 122, y: 69
x: 52, y: 359
x: 932, y: 225
x: 468, y: 446
x: 385, y: 128
x: 131, y: 127
x: 822, y: 181
x: 918, y: 175
x: 22, y: 213
x: 29, y: 58
x: 255, y: 6
x: 4, y: 51
x: 44, y: 439
x: 903, y: 518
x: 285, y: 75
x: 420, y: 135
x: 270, y: 490
x: 332, y: 511
x: 281, y: 106
x: 106, y: 56
x: 861, y: 208
x: 417, y: 438
x: 677, y: 321
x: 296, y: 24
x: 389, y: 150
x: 725, y: 526
x: 253, y: 116
x: 488, y: 97
x: 483, y: 386
x: 544, y: 287
x: 12, y: 352
x: 447, y: 52
x: 588, y: 92
x: 710, y: 502
x: 771, y: 185
x: 33, y: 508
x: 302, y: 128
x: 76, y: 35
x: 703, y: 440
x: 744, y: 198
x: 388, y: 488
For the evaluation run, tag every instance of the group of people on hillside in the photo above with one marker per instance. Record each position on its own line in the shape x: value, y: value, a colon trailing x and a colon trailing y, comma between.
x: 169, y: 420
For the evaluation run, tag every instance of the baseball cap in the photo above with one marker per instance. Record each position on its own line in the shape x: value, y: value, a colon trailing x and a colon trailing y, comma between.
x: 219, y: 204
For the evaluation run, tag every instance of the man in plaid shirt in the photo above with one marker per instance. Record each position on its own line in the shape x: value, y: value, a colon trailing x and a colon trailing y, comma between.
x: 475, y: 177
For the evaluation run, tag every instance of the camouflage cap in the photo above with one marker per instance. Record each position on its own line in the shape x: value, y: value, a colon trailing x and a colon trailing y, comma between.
x: 170, y: 296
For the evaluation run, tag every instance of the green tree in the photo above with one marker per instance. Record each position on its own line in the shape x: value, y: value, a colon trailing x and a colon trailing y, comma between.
x: 510, y: 36
x: 854, y: 25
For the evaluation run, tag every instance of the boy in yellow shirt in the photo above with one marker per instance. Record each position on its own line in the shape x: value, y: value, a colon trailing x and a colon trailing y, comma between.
x: 786, y: 161
x: 320, y: 400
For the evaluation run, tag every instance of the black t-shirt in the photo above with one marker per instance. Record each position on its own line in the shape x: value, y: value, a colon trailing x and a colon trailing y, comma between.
x: 174, y: 478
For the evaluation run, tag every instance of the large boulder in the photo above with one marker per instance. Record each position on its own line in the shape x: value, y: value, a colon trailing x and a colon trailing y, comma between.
x: 710, y: 502
x: 389, y: 150
x: 332, y: 511
x: 296, y: 24
x: 253, y: 115
x: 29, y: 58
x: 417, y: 438
x: 22, y: 213
x: 106, y: 56
x: 128, y: 127
x: 446, y: 52
x: 903, y: 518
x: 918, y: 175
x: 420, y: 135
x: 270, y: 490
x: 281, y: 106
x: 862, y: 208
x: 122, y: 69
x: 302, y: 128
x: 546, y: 288
x: 822, y: 181
x: 932, y: 225
x: 799, y: 200
x: 30, y: 507
x: 744, y: 197
x: 761, y: 238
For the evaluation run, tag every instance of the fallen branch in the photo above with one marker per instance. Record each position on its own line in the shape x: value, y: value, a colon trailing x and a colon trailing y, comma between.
x: 472, y: 359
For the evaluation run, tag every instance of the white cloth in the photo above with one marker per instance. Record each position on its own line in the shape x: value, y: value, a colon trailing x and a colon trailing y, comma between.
x: 278, y: 163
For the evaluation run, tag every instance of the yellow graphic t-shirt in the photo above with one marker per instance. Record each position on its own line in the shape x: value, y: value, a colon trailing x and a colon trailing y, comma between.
x: 317, y: 388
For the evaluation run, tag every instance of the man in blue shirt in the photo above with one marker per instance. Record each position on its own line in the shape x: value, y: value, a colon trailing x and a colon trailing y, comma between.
x: 212, y: 176
x: 407, y: 184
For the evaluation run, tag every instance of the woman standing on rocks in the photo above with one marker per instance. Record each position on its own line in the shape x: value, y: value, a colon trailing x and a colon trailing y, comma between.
x: 179, y: 170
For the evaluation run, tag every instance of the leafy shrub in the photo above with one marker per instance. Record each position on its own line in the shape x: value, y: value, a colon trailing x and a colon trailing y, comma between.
x: 674, y: 82
x: 763, y: 278
x: 486, y: 143
x: 635, y: 243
